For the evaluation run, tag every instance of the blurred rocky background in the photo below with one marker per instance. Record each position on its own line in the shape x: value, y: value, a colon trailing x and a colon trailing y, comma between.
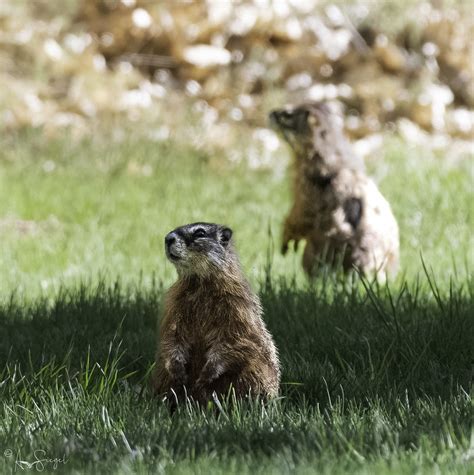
x: 208, y: 72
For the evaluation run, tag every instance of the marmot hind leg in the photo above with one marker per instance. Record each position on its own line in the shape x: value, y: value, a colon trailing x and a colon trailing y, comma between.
x: 310, y: 258
x: 316, y: 253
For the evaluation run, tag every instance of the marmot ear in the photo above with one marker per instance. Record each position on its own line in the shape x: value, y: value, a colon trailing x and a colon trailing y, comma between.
x: 226, y: 234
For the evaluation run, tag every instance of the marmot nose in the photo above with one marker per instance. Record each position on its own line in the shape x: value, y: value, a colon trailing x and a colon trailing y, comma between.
x: 170, y: 239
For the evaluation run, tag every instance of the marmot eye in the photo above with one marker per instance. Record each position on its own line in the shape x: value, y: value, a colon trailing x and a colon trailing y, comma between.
x: 199, y: 233
x: 286, y: 117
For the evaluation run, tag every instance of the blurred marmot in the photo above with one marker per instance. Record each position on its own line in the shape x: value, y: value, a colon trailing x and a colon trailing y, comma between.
x: 337, y: 209
x: 212, y: 336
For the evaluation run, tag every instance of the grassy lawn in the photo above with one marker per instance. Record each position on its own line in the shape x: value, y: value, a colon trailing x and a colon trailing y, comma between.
x: 375, y: 380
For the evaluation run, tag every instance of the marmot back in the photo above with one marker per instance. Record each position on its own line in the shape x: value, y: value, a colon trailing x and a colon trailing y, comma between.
x: 337, y: 209
x: 212, y: 336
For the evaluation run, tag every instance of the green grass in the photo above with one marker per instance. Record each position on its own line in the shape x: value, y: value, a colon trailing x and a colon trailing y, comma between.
x: 95, y: 212
x: 375, y: 380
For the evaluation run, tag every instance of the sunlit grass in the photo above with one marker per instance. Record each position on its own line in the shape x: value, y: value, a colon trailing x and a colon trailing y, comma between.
x: 103, y: 207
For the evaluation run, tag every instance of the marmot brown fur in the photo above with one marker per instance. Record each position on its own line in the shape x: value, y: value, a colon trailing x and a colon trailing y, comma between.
x: 212, y: 336
x: 337, y: 209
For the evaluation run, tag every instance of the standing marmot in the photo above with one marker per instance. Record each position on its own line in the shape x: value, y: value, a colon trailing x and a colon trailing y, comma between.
x: 337, y: 208
x: 212, y: 335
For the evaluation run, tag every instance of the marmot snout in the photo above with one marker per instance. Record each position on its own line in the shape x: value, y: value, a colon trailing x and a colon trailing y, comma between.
x: 212, y: 336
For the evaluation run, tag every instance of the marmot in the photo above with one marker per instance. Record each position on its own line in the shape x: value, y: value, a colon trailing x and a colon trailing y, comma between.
x: 212, y: 336
x: 337, y: 209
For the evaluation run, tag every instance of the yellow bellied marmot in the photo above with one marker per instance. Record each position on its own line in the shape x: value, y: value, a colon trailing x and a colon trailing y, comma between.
x: 337, y: 209
x: 212, y: 336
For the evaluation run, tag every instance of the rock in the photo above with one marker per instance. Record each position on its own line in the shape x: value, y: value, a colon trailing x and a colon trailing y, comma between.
x: 135, y: 59
x: 206, y: 56
x: 429, y: 110
x: 391, y: 58
x: 460, y: 123
x: 451, y: 38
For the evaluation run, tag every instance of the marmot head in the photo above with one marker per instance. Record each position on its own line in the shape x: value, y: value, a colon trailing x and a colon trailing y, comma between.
x: 314, y: 132
x: 199, y: 248
x: 306, y: 126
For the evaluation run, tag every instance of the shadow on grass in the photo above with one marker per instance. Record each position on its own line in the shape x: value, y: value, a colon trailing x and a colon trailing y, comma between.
x: 346, y: 342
